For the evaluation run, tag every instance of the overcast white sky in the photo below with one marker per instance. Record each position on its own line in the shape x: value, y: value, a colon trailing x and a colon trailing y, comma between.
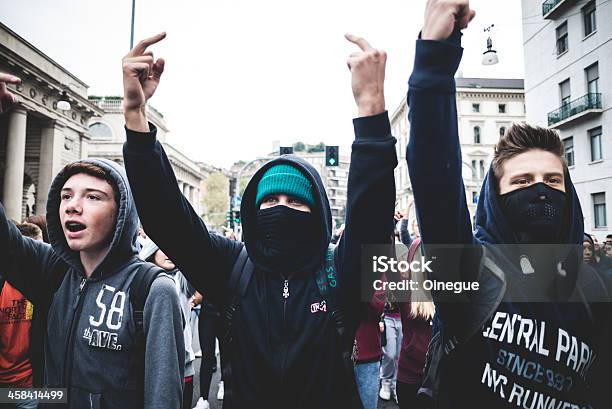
x: 243, y: 73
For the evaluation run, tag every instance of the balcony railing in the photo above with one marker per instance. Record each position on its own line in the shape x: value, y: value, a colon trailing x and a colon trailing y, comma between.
x: 590, y: 101
x: 551, y: 8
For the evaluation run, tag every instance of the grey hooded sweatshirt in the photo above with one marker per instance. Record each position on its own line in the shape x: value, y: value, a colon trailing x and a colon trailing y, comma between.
x: 89, y: 345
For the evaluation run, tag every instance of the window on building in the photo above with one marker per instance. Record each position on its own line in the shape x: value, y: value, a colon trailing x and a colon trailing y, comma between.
x: 474, y: 170
x: 501, y: 108
x: 592, y: 76
x: 568, y: 145
x: 475, y: 107
x: 100, y: 130
x: 599, y: 209
x: 477, y: 134
x: 562, y: 39
x: 502, y: 131
x: 588, y: 18
x: 482, y: 169
x: 564, y: 89
x: 595, y: 138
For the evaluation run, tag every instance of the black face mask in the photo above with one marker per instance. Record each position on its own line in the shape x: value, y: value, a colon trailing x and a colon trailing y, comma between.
x: 535, y: 213
x: 287, y: 238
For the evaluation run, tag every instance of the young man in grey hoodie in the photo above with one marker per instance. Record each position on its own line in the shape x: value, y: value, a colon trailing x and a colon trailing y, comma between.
x: 82, y: 281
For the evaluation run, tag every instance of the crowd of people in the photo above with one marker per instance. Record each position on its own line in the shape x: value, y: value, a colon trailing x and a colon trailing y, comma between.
x: 103, y: 296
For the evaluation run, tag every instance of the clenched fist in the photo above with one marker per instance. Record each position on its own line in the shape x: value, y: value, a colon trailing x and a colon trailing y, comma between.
x: 368, y: 77
x: 141, y: 75
x: 7, y: 98
x: 442, y: 16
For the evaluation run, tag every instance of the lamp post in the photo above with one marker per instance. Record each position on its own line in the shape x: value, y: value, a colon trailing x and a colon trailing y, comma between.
x: 132, y: 28
x: 489, y: 57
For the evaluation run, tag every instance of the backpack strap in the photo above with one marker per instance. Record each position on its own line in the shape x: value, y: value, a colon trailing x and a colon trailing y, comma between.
x: 327, y: 284
x: 139, y: 291
x: 239, y: 280
x: 145, y: 274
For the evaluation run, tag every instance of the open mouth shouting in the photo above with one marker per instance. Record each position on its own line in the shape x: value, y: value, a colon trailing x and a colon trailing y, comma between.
x: 74, y: 229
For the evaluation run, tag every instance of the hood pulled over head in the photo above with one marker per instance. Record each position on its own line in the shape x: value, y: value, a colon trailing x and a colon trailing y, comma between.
x: 280, y: 239
x: 123, y: 244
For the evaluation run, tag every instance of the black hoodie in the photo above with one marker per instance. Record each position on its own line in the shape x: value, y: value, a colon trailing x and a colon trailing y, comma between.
x: 90, y: 336
x: 284, y: 355
x: 522, y: 354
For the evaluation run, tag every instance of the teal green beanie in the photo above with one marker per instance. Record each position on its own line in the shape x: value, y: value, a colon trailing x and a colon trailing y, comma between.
x: 287, y: 180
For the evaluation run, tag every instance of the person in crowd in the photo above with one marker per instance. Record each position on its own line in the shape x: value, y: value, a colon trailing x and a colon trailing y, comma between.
x: 16, y: 319
x: 209, y: 330
x: 417, y: 315
x: 607, y: 250
x: 150, y: 252
x: 41, y: 221
x: 609, y: 239
x: 81, y: 285
x: 391, y: 349
x: 284, y: 348
x: 367, y: 353
x: 524, y: 253
x: 599, y: 262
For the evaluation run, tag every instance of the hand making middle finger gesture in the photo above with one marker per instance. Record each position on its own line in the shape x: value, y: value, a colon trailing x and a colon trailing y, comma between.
x: 368, y: 76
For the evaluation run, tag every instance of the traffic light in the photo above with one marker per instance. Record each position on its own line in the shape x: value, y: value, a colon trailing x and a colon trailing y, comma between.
x: 232, y: 187
x: 286, y: 150
x: 237, y: 216
x: 229, y: 218
x: 331, y: 156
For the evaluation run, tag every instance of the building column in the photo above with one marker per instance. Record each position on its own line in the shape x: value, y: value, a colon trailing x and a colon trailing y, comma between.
x: 192, y: 198
x: 197, y: 200
x: 12, y: 193
x: 180, y: 185
x: 51, y: 146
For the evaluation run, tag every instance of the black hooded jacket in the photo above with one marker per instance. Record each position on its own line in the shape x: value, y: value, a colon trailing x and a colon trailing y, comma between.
x: 522, y: 353
x: 283, y: 355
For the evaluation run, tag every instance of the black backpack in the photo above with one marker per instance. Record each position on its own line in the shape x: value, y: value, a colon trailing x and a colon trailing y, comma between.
x: 326, y: 280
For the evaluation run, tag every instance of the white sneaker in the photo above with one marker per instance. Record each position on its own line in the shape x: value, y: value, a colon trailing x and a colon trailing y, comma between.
x: 221, y: 391
x: 198, y: 353
x: 385, y: 391
x: 202, y: 404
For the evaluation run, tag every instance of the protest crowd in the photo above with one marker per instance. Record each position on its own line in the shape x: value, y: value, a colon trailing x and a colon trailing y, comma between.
x: 107, y: 295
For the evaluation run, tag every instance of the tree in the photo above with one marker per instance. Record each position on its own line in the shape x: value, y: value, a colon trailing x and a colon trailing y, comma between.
x: 299, y: 147
x: 215, y: 198
x: 320, y: 147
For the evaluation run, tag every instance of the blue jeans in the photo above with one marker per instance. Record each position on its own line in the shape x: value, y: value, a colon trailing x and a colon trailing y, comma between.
x: 366, y: 376
x: 391, y: 351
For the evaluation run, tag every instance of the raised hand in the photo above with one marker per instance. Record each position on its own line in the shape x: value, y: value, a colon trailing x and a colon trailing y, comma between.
x: 368, y: 77
x: 442, y: 16
x: 7, y: 98
x: 141, y: 76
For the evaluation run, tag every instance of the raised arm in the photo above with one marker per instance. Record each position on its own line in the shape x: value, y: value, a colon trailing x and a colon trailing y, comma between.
x: 371, y: 183
x: 433, y: 152
x: 166, y: 215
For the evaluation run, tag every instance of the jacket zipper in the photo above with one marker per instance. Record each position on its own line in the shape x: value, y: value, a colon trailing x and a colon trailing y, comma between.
x: 70, y: 344
x: 285, y: 297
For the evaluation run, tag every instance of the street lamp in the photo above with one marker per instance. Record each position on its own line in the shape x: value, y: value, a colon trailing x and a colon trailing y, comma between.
x: 62, y: 102
x: 489, y: 57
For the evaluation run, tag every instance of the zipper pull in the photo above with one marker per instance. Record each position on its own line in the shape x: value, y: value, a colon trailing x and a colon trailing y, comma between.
x: 75, y: 303
x: 83, y: 281
x: 286, y: 289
